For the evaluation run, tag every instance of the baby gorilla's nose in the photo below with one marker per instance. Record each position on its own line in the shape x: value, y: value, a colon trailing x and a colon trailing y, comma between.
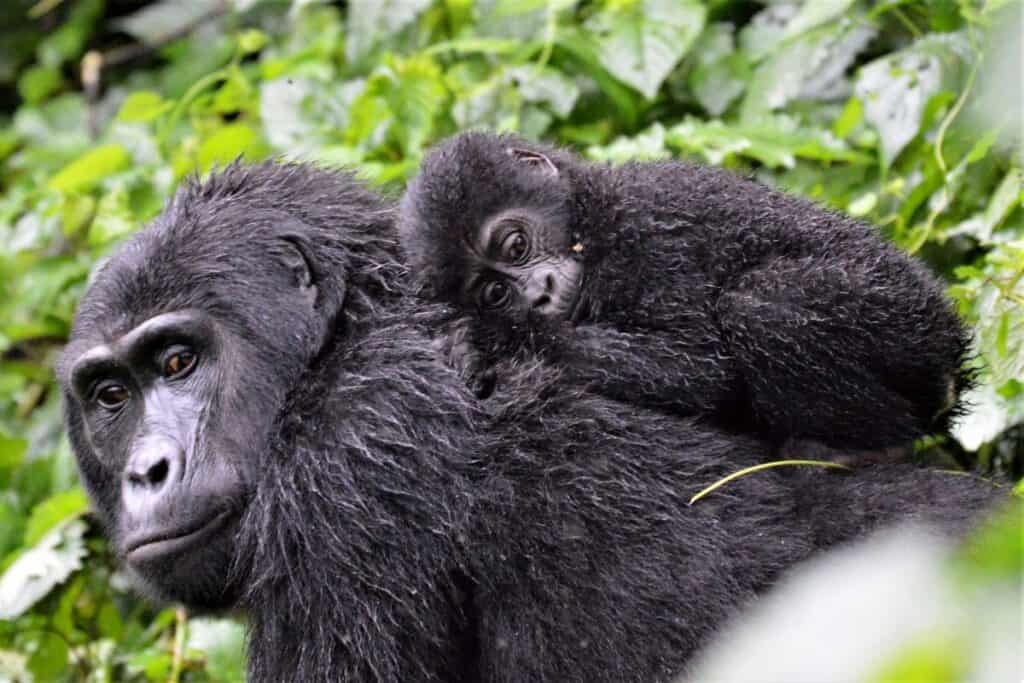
x: 540, y: 290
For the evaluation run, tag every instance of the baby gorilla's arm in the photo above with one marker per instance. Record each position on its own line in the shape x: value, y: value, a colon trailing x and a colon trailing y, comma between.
x: 686, y: 373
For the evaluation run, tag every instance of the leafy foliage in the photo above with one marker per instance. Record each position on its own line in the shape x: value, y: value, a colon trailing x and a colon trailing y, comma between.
x: 884, y: 110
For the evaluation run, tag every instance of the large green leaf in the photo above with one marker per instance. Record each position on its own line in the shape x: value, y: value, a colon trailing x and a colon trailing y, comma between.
x: 53, y: 512
x: 811, y: 67
x: 36, y: 571
x: 897, y: 88
x: 641, y: 43
x: 371, y: 20
x: 222, y: 641
x: 91, y: 168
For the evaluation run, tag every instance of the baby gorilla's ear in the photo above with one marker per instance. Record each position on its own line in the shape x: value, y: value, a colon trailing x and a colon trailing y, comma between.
x: 535, y: 159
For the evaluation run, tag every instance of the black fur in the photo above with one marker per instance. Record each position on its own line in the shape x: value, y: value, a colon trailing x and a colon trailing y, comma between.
x: 394, y: 529
x: 706, y: 293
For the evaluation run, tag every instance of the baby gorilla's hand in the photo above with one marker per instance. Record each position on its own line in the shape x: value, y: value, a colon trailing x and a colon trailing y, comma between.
x: 456, y: 348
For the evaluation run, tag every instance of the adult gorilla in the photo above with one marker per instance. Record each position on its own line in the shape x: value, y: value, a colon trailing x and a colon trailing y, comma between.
x: 261, y: 422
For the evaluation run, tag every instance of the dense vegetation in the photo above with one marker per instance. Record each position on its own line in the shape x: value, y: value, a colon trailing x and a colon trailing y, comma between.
x: 903, y: 112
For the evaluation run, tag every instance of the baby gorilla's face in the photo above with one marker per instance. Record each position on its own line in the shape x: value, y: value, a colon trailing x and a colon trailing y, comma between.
x: 521, y: 263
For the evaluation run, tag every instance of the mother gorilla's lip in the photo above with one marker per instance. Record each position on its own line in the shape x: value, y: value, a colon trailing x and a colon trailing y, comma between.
x: 154, y: 545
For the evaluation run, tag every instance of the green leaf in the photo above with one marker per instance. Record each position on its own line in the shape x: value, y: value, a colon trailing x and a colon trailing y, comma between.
x: 764, y: 32
x: 721, y: 73
x: 996, y: 551
x: 36, y: 571
x: 11, y: 525
x: 223, y: 642
x: 91, y: 168
x: 813, y: 14
x: 251, y: 41
x: 812, y: 67
x: 896, y: 89
x: 863, y: 205
x: 155, y: 664
x: 925, y: 660
x: 487, y: 46
x: 156, y: 20
x: 1005, y: 199
x: 69, y: 41
x: 648, y: 145
x: 776, y: 142
x: 583, y: 51
x: 851, y: 116
x: 39, y: 82
x: 641, y: 44
x: 54, y: 511
x: 548, y: 86
x: 109, y: 621
x: 143, y: 106
x: 399, y: 105
x: 50, y: 658
x: 371, y: 20
x: 229, y: 143
x: 12, y: 450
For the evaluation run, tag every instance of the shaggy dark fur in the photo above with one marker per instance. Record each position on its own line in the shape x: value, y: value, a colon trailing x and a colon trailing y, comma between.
x: 391, y: 528
x: 703, y: 292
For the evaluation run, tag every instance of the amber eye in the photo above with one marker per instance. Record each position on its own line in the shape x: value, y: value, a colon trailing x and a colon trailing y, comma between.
x: 179, y: 364
x: 515, y: 247
x: 112, y: 396
x: 494, y: 294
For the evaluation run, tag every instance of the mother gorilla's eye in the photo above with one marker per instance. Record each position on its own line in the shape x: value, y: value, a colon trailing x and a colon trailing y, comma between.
x: 112, y: 396
x: 179, y: 363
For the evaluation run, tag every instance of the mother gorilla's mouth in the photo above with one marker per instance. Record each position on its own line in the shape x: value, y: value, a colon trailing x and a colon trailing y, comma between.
x: 159, y: 543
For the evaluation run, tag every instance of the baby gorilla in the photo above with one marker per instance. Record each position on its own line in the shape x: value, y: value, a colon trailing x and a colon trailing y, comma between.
x: 685, y: 288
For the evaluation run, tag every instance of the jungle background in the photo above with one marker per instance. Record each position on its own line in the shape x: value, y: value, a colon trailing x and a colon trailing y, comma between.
x: 906, y: 113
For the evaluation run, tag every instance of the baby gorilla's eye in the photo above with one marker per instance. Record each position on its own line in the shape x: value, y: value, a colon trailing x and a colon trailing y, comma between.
x: 494, y: 294
x: 515, y: 247
x: 179, y: 364
x: 112, y: 396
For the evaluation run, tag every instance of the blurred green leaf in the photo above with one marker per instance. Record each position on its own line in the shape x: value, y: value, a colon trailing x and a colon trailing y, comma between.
x: 996, y: 551
x: 229, y: 143
x: 813, y: 14
x: 895, y: 89
x: 53, y: 512
x: 928, y: 660
x: 88, y: 170
x: 50, y: 658
x: 370, y: 20
x: 153, y: 663
x: 154, y: 21
x: 12, y: 450
x: 39, y: 82
x: 811, y: 67
x: 641, y: 42
x: 36, y: 571
x: 1005, y: 199
x: 143, y: 106
x: 223, y: 642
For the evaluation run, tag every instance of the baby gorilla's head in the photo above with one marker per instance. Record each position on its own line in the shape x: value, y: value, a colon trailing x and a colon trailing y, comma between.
x: 486, y: 227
